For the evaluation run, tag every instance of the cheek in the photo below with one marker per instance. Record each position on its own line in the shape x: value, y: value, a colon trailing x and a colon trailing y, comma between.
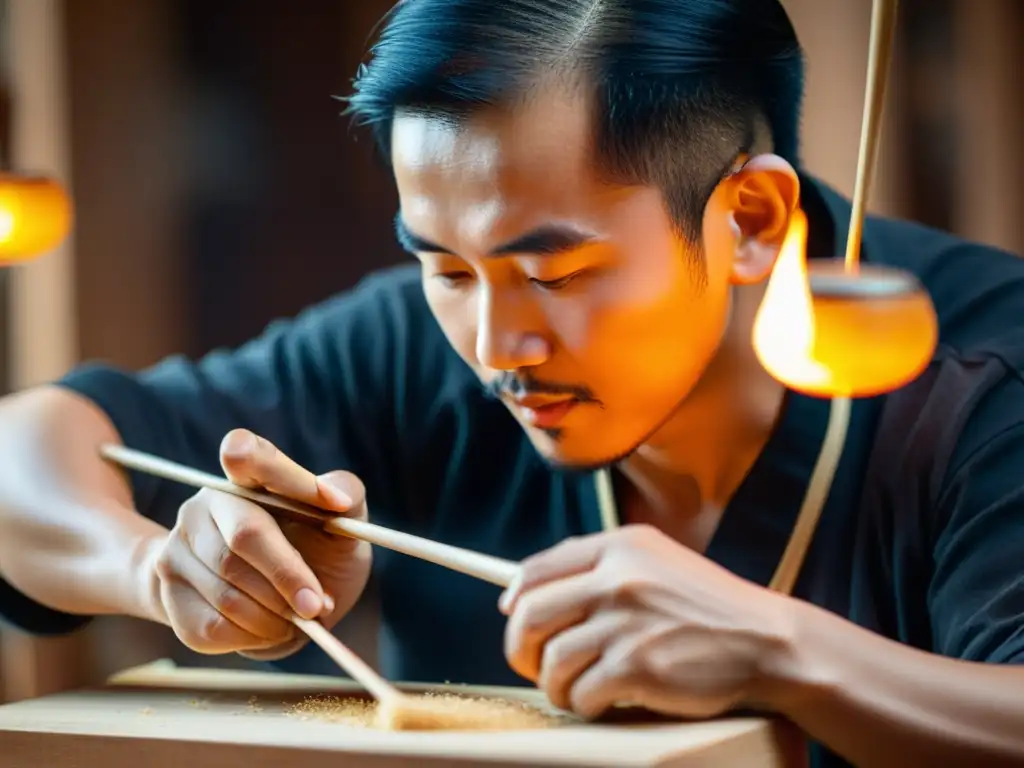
x: 456, y: 315
x: 625, y: 308
x: 649, y: 328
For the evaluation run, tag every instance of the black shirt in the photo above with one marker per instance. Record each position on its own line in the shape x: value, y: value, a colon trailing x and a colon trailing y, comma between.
x: 367, y: 382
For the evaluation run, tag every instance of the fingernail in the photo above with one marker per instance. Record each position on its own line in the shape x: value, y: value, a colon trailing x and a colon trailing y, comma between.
x: 329, y: 604
x: 333, y: 493
x: 307, y: 603
x: 240, y: 447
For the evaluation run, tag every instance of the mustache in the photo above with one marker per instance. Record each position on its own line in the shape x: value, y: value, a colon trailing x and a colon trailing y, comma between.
x: 515, y: 386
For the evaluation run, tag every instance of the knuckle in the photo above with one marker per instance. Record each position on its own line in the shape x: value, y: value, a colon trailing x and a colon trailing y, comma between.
x: 194, y: 509
x: 629, y: 661
x: 556, y: 652
x: 625, y: 589
x: 164, y: 564
x: 228, y: 601
x: 526, y: 611
x: 194, y: 504
x: 213, y: 628
x: 226, y: 562
x: 286, y: 579
x: 244, y: 536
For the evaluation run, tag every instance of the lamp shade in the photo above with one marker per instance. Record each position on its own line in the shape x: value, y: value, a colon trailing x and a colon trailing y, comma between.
x: 829, y: 332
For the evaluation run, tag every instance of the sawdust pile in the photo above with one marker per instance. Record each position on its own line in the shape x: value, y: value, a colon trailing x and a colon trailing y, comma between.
x: 453, y: 712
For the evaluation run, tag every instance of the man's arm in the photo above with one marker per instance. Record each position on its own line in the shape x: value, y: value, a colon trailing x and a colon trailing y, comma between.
x: 71, y: 526
x: 878, y: 702
x: 69, y: 534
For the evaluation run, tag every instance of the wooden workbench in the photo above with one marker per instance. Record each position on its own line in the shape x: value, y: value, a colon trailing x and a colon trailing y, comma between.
x: 162, y: 716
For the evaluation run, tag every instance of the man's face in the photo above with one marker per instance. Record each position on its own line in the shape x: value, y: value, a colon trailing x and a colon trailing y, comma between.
x: 575, y: 302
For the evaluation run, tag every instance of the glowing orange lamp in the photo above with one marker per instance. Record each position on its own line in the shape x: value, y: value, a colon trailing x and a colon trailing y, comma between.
x: 35, y: 216
x: 841, y: 329
x: 833, y: 332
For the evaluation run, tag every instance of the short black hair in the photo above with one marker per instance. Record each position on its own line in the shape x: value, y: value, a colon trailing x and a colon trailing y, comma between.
x: 680, y: 86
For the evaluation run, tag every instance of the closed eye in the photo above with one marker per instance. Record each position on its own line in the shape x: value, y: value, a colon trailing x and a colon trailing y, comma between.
x: 452, y: 279
x: 556, y: 284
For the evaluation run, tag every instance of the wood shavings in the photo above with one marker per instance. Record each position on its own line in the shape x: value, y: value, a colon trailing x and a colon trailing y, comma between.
x: 199, y: 703
x: 253, y: 704
x: 455, y: 711
x: 146, y: 711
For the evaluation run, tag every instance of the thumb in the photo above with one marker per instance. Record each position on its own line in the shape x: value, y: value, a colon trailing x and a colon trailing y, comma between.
x: 344, y: 492
x: 254, y: 462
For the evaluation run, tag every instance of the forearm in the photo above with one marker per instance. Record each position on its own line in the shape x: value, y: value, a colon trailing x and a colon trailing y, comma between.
x: 69, y: 536
x: 880, y: 703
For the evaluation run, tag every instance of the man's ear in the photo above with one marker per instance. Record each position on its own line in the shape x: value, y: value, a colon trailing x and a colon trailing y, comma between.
x: 760, y: 198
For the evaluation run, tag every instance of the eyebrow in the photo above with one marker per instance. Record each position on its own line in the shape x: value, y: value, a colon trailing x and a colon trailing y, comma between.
x: 546, y: 240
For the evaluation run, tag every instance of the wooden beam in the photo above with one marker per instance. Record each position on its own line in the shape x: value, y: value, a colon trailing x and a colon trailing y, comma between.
x: 40, y: 320
x: 990, y: 161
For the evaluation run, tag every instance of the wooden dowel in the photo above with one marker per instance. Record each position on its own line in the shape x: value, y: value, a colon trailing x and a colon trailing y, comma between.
x: 883, y: 30
x: 484, y: 567
x: 345, y: 658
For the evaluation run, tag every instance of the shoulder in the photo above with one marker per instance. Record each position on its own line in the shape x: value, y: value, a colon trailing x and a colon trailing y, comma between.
x: 961, y: 421
x: 381, y: 331
x: 974, y: 388
x: 386, y: 302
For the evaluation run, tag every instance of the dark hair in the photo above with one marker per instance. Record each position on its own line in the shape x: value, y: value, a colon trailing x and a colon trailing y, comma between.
x: 680, y: 85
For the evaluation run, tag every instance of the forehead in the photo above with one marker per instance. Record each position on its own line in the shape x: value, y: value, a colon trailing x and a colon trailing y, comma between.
x: 534, y: 155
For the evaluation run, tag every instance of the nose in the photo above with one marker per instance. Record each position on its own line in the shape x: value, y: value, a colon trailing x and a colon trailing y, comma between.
x: 508, y: 335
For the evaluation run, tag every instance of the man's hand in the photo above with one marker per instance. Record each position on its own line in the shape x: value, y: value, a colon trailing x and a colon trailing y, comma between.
x: 228, y: 574
x: 632, y: 617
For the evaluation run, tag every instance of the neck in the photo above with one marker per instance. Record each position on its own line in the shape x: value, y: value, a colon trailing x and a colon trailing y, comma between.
x: 716, y: 435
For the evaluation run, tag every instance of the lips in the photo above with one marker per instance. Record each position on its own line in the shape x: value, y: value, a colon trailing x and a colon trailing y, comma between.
x: 545, y: 412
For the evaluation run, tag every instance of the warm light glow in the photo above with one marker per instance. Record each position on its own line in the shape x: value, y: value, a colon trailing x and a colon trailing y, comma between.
x: 853, y: 335
x: 35, y: 217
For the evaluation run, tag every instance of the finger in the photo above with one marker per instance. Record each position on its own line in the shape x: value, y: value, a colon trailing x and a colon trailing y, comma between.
x: 202, y: 629
x: 612, y: 679
x: 569, y: 654
x: 204, y: 539
x: 251, y: 533
x: 344, y: 487
x: 570, y: 557
x: 540, y: 614
x: 230, y: 602
x: 254, y: 462
x: 198, y: 624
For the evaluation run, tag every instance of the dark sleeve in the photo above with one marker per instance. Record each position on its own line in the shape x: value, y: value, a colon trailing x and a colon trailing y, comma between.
x: 320, y: 386
x: 976, y: 596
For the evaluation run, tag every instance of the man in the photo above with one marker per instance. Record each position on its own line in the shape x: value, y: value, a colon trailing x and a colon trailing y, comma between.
x: 595, y: 192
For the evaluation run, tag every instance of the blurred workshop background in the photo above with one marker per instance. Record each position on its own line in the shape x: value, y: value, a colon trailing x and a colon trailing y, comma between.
x: 215, y: 186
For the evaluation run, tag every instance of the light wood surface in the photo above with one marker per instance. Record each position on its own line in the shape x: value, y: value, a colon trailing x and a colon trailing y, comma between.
x: 159, y: 715
x: 349, y: 662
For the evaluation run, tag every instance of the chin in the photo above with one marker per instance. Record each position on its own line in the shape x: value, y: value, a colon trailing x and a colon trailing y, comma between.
x: 568, y: 453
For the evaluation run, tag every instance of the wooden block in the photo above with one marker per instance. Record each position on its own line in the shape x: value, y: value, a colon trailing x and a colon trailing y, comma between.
x: 161, y: 716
